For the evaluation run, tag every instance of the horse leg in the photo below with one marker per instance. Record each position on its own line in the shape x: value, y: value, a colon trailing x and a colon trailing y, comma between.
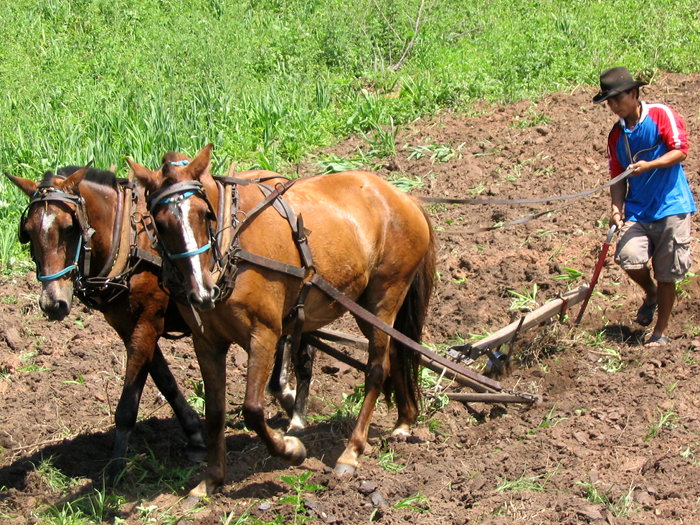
x: 375, y: 376
x: 127, y: 410
x: 188, y: 418
x: 278, y: 386
x: 260, y: 363
x: 406, y: 402
x: 303, y: 367
x: 212, y: 364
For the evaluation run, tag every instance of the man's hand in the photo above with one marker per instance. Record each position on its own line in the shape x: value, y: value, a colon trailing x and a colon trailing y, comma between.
x: 639, y: 167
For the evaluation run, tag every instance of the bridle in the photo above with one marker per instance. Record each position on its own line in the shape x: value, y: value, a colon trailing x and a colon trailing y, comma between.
x: 46, y: 193
x: 173, y: 196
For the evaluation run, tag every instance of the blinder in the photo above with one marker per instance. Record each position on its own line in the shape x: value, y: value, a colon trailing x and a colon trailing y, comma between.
x: 46, y: 193
x: 22, y: 233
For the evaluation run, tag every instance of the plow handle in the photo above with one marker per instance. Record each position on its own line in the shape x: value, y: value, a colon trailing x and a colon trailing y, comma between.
x: 596, y: 272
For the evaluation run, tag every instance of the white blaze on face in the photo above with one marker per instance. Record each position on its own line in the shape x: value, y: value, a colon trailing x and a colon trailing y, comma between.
x: 47, y: 221
x: 191, y: 244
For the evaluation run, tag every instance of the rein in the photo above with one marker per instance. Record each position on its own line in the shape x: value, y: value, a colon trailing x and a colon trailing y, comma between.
x: 522, y: 220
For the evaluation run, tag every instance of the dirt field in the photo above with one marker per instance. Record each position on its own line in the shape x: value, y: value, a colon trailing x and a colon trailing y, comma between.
x: 616, y: 438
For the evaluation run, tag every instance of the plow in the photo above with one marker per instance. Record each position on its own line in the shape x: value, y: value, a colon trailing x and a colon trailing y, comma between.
x: 455, y: 366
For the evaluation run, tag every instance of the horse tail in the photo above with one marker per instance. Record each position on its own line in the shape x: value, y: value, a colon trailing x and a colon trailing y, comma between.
x: 410, y: 321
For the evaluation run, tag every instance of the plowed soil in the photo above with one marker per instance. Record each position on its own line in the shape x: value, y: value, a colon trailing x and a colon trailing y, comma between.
x: 616, y: 438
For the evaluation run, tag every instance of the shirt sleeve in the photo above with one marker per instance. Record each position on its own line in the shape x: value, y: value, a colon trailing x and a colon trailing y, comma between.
x: 613, y: 160
x: 671, y: 127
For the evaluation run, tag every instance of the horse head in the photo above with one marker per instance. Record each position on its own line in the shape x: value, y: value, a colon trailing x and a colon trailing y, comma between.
x: 182, y: 202
x: 52, y: 225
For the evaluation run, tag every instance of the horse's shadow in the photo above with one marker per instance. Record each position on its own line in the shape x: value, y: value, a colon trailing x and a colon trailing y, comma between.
x: 156, y: 465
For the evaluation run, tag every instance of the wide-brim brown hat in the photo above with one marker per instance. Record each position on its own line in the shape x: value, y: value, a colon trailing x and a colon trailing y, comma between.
x: 614, y: 81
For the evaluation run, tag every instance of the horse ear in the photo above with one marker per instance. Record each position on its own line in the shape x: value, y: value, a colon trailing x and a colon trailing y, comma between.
x: 27, y: 186
x: 70, y: 185
x: 200, y: 164
x: 149, y: 179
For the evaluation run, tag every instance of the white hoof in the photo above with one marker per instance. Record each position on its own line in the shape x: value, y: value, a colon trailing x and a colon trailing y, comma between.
x: 294, y: 450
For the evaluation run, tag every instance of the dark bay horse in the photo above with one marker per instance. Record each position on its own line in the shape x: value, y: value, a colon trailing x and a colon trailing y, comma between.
x: 367, y: 239
x: 88, y: 237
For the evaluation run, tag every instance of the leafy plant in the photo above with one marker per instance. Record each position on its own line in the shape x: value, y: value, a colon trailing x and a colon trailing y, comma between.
x: 610, y: 360
x: 387, y: 461
x: 525, y: 301
x: 570, y: 274
x: 196, y: 398
x: 665, y: 420
x: 618, y: 507
x: 533, y: 483
x: 414, y: 502
x: 407, y: 184
x: 549, y: 420
x: 300, y: 485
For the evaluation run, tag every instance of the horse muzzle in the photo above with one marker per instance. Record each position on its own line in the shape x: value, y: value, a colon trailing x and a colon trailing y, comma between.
x: 204, y: 300
x: 55, y: 308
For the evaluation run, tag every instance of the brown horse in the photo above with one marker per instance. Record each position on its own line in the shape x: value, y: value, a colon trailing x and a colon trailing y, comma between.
x: 79, y: 226
x: 368, y: 240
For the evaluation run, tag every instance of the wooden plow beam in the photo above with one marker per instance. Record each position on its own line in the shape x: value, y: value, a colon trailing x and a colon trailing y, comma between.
x: 486, y: 389
x: 507, y: 334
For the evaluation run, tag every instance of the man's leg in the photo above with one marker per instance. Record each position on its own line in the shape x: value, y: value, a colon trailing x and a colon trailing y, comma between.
x: 642, y: 277
x: 666, y: 297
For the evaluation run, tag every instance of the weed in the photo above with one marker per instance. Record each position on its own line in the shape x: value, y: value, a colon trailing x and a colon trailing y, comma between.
x: 407, y: 184
x: 435, y: 152
x: 147, y: 468
x: 53, y: 477
x: 196, y: 397
x: 430, y: 384
x: 665, y: 420
x: 79, y: 380
x: 96, y: 507
x: 387, y: 461
x: 533, y: 483
x: 570, y: 274
x: 30, y: 366
x: 346, y: 411
x: 619, y: 507
x: 300, y: 485
x: 525, y: 301
x: 414, y: 502
x: 335, y: 164
x: 610, y: 360
x: 682, y: 286
x: 549, y: 421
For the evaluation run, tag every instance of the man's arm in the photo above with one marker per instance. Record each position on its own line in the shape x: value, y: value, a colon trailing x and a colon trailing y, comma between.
x: 618, y: 192
x: 668, y: 159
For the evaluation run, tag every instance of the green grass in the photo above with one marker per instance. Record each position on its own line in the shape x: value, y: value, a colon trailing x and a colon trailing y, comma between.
x: 268, y: 82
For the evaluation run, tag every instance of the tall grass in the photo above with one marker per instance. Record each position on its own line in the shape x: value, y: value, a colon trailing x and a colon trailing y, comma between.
x: 269, y: 80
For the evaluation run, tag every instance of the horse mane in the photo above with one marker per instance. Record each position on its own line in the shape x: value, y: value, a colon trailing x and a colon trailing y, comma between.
x: 103, y: 177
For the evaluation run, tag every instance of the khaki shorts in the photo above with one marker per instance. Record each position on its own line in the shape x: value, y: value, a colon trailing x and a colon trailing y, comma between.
x: 666, y: 242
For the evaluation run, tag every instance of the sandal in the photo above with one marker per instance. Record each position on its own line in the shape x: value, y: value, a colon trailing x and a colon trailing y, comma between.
x: 656, y: 340
x: 645, y: 314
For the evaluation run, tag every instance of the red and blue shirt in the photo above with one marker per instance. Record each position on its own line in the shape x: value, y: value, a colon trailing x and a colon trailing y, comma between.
x: 658, y: 193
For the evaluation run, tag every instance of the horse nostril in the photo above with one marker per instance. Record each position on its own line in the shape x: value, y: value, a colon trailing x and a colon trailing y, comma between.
x: 194, y: 299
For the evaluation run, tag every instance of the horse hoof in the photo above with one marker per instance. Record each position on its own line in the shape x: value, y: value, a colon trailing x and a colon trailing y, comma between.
x: 114, y: 472
x: 200, y: 491
x: 400, y: 433
x: 343, y: 469
x: 196, y: 453
x: 294, y: 450
x: 297, y: 424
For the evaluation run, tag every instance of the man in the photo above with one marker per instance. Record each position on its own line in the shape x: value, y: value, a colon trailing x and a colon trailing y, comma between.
x: 653, y: 206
